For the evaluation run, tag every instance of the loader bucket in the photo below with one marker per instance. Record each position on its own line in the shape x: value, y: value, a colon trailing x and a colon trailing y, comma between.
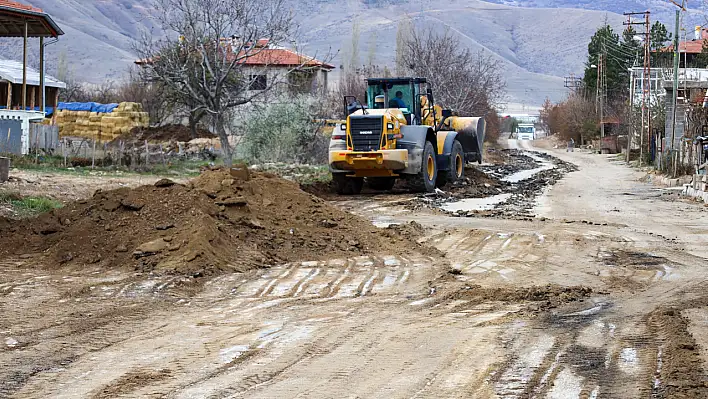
x: 470, y: 133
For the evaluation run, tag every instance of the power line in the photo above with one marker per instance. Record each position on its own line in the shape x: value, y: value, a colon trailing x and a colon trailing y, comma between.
x: 618, y: 48
x: 625, y: 62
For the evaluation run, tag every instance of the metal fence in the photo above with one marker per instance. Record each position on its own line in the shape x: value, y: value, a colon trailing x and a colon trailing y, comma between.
x: 43, y: 138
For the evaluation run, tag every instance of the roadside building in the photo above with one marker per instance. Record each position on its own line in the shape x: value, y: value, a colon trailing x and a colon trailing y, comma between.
x: 692, y: 87
x: 19, y: 20
x: 11, y: 75
x: 303, y: 74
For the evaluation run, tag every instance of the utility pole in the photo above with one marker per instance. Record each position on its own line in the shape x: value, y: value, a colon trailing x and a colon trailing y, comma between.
x: 630, y: 133
x: 675, y: 93
x: 646, y: 81
x: 597, y: 83
x: 601, y: 74
x: 647, y: 75
x: 573, y: 83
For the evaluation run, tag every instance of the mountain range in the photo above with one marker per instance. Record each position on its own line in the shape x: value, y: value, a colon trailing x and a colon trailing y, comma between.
x: 537, y: 41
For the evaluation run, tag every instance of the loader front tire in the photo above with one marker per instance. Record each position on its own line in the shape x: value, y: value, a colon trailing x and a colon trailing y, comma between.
x: 346, y: 185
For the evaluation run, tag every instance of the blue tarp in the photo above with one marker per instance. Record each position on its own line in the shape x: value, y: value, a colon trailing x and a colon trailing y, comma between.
x: 91, y: 107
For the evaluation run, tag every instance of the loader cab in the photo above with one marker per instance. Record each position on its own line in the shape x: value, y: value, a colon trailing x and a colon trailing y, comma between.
x: 381, y: 93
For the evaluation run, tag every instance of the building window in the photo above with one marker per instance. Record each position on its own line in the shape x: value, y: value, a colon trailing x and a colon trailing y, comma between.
x: 258, y: 82
x: 301, y: 82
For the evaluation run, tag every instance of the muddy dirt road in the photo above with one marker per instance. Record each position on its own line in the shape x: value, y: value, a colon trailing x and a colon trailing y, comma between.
x: 600, y: 295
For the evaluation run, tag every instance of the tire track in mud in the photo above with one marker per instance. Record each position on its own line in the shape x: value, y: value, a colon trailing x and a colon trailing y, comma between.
x: 320, y: 346
x: 348, y: 278
x: 95, y: 331
x: 680, y: 371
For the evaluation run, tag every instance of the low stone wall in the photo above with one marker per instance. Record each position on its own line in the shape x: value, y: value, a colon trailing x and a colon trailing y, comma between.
x: 692, y: 192
x: 672, y: 182
x: 698, y: 188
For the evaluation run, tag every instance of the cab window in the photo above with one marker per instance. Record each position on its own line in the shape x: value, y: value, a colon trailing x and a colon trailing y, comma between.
x: 404, y: 99
x: 400, y: 97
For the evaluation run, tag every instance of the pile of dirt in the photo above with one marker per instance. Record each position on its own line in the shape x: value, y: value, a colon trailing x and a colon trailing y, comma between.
x: 547, y: 297
x: 224, y: 220
x: 412, y: 230
x: 512, y: 161
x: 637, y: 260
x: 162, y: 133
x: 681, y: 372
x: 476, y: 184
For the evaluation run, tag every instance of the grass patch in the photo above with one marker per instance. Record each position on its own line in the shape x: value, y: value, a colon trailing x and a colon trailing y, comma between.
x: 28, y: 206
x: 82, y: 166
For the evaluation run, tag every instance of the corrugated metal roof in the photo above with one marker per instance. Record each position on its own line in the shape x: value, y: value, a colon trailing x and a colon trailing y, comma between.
x: 11, y: 71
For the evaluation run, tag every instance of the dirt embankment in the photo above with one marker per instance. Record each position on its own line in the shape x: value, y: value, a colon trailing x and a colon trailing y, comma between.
x: 476, y: 184
x: 221, y: 221
x: 161, y: 133
x: 545, y: 297
x: 680, y: 371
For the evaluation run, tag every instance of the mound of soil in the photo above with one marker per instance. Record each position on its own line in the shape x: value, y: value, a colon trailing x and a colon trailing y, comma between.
x: 639, y: 260
x: 682, y: 372
x: 221, y: 221
x: 162, y: 133
x: 475, y: 184
x: 412, y: 230
x: 549, y: 296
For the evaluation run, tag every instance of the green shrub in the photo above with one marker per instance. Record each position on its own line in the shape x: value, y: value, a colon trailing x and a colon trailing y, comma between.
x: 285, y: 132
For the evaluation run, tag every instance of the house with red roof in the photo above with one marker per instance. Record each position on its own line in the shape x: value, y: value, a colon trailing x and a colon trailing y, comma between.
x: 303, y: 74
x: 264, y: 63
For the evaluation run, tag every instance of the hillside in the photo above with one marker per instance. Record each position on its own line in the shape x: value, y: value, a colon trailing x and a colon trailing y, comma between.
x: 539, y: 41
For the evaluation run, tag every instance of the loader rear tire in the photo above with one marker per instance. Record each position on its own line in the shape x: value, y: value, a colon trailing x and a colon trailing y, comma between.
x: 428, y: 175
x: 381, y: 183
x: 347, y: 185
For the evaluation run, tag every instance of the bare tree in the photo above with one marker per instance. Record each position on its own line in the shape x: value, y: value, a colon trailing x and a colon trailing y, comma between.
x: 404, y: 30
x: 203, y: 58
x: 545, y: 115
x: 574, y: 118
x: 471, y: 83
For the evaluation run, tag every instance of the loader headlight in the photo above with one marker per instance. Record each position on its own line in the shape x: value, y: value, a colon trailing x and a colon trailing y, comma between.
x: 389, y: 126
x: 343, y: 127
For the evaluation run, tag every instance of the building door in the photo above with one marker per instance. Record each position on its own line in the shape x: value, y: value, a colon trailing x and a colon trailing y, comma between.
x: 10, y: 136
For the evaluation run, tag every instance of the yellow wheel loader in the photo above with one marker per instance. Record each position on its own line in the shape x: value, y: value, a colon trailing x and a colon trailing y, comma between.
x: 400, y: 133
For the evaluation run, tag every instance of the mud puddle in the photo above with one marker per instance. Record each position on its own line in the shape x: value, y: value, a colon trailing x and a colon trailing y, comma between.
x: 529, y: 173
x: 475, y: 204
x: 513, y: 187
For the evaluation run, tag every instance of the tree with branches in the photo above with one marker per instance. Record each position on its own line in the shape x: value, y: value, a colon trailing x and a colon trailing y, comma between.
x: 468, y: 82
x: 203, y: 58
